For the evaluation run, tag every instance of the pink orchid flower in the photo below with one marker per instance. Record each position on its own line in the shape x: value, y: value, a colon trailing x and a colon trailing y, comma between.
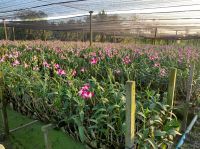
x: 61, y: 72
x: 94, y: 60
x: 15, y: 63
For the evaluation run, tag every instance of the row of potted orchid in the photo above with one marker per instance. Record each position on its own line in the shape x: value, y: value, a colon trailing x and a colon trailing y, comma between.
x: 83, y: 89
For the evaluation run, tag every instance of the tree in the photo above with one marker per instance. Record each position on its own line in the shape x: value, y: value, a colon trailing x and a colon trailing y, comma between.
x: 1, y: 33
x: 105, y: 25
x: 30, y: 19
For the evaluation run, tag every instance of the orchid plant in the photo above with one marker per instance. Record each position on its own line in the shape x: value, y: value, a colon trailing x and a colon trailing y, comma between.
x: 82, y: 89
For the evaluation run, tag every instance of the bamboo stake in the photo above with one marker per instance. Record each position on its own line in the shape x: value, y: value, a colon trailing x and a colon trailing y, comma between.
x: 171, y: 87
x: 130, y: 114
x: 189, y: 92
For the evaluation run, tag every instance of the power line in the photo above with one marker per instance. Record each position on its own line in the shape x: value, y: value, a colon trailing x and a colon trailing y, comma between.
x: 59, y: 3
x: 17, y: 4
x: 44, y: 5
x: 67, y: 6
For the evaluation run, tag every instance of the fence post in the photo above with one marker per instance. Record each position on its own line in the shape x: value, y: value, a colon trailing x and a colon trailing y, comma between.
x: 155, y: 36
x: 189, y: 92
x: 13, y: 31
x: 45, y: 130
x: 130, y: 114
x: 3, y: 102
x: 171, y: 87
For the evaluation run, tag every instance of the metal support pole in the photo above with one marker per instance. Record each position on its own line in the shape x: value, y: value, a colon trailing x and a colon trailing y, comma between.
x: 5, y: 31
x: 182, y: 140
x: 90, y: 27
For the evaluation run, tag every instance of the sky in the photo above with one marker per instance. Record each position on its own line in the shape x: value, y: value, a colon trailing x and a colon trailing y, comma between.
x: 162, y: 12
x: 147, y: 8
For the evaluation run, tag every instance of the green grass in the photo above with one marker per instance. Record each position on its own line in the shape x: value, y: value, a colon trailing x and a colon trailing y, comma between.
x: 31, y: 137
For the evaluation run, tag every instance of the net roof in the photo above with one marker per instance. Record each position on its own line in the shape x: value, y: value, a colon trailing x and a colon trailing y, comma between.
x: 169, y: 17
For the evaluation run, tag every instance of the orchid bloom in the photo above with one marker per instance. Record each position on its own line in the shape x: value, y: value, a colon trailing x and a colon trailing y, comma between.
x: 157, y: 64
x: 61, y: 72
x: 162, y: 72
x: 26, y: 65
x: 94, y: 60
x: 85, y: 93
x: 74, y: 72
x: 56, y: 66
x: 15, y: 63
x: 46, y: 64
x: 126, y: 60
x: 82, y: 69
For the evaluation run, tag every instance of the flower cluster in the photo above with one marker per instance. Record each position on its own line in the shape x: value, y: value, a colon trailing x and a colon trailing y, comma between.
x: 85, y: 93
x: 15, y: 63
x: 61, y: 72
x: 94, y: 60
x: 163, y: 72
x: 56, y: 66
x: 74, y: 72
x: 157, y: 64
x: 126, y: 60
x: 45, y: 64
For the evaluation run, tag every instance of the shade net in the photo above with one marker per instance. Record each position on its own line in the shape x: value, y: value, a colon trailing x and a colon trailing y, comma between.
x: 149, y: 18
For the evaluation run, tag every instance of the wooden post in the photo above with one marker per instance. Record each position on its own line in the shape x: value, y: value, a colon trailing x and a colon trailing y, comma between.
x: 13, y: 30
x: 155, y: 35
x: 76, y: 39
x: 5, y: 30
x: 83, y: 35
x: 114, y: 37
x: 90, y: 27
x: 44, y: 35
x: 3, y: 102
x: 189, y: 92
x: 45, y: 130
x: 130, y: 114
x: 171, y: 87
